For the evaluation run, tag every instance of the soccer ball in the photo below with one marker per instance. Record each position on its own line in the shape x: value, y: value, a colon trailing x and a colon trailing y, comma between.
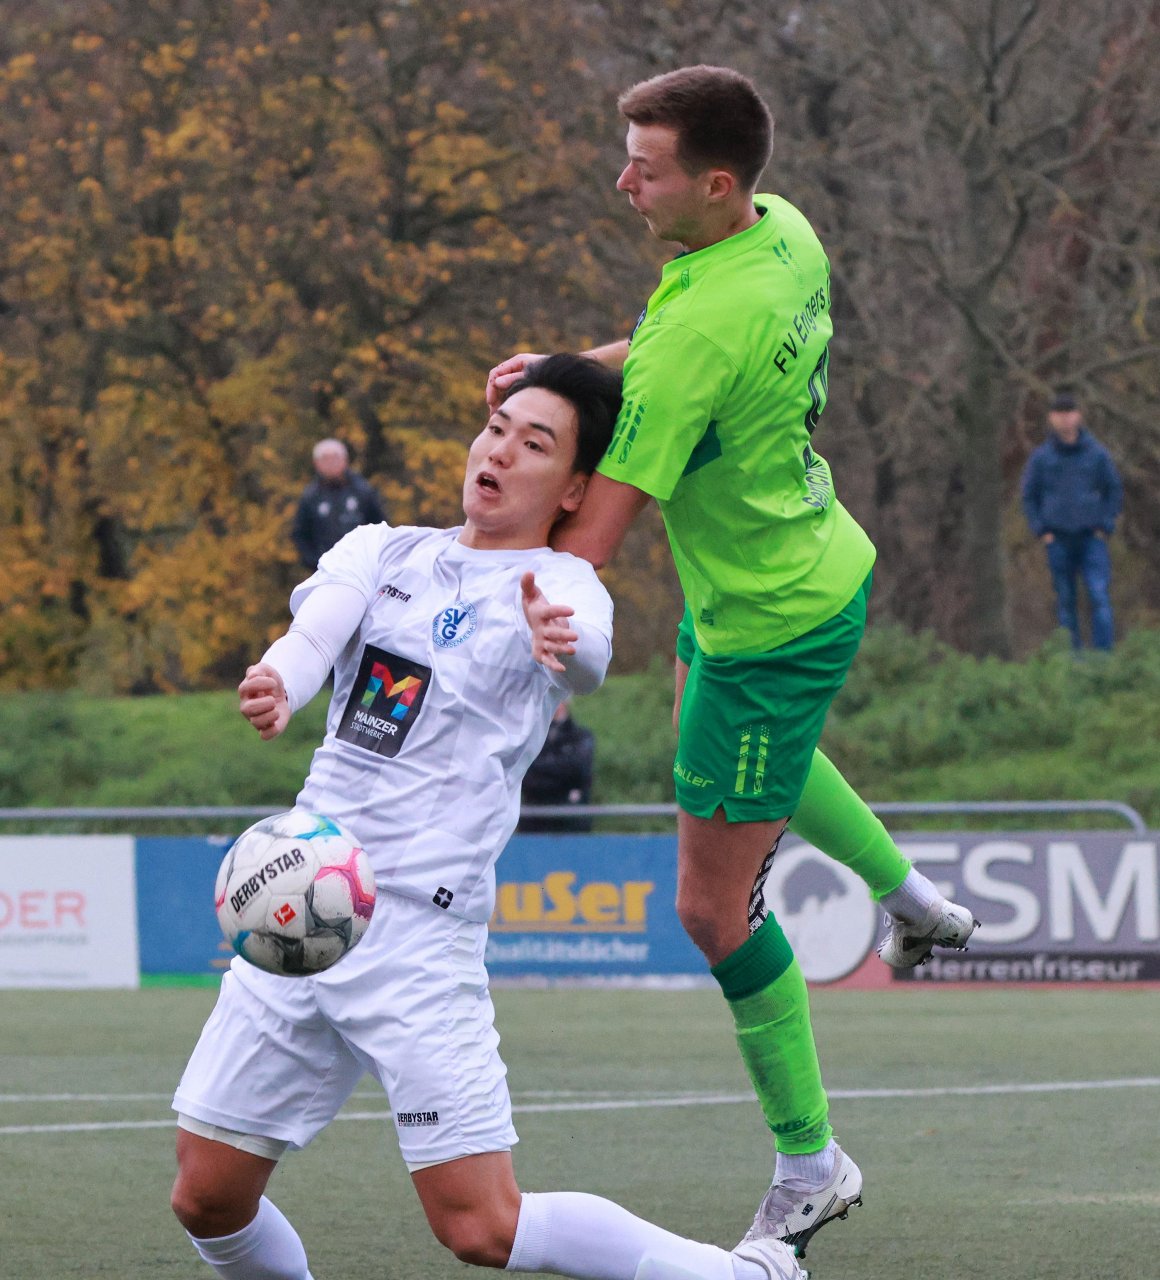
x: 294, y: 893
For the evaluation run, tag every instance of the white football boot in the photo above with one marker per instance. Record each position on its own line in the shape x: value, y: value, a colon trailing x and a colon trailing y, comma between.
x: 793, y: 1211
x: 945, y: 924
x: 777, y: 1260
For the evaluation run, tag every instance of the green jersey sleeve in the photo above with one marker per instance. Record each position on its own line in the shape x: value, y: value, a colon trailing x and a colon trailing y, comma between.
x: 674, y: 382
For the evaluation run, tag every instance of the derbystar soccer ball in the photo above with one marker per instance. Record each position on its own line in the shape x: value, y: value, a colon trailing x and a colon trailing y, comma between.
x: 294, y: 893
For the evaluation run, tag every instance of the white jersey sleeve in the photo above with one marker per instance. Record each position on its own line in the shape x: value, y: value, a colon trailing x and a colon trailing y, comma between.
x: 354, y: 561
x: 566, y: 579
x: 323, y: 625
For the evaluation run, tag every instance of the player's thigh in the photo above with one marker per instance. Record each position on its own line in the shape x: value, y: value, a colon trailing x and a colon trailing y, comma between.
x: 749, y: 724
x: 412, y: 1001
x: 268, y: 1063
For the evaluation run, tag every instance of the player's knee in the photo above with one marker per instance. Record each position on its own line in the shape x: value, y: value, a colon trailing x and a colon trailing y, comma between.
x: 702, y: 925
x: 482, y: 1239
x: 205, y: 1211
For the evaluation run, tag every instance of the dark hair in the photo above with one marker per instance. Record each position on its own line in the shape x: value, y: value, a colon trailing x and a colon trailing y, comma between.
x: 719, y: 118
x: 591, y: 389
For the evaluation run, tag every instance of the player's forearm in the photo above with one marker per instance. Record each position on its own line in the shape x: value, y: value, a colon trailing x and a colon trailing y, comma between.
x: 595, y: 531
x: 586, y: 668
x: 612, y: 355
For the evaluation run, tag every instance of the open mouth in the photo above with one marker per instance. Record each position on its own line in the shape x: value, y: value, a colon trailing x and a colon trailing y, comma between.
x: 486, y: 481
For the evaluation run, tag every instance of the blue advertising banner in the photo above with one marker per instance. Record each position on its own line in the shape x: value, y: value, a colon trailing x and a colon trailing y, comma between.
x: 177, y: 928
x: 566, y: 906
x: 590, y: 906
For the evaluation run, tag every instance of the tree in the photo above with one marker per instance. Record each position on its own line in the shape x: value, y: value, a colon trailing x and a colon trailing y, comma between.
x: 238, y: 227
x: 961, y: 150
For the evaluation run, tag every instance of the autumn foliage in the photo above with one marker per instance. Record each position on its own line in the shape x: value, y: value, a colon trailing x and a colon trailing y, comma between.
x: 231, y: 227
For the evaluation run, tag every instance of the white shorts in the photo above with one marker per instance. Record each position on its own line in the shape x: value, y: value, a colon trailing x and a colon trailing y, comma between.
x: 278, y: 1057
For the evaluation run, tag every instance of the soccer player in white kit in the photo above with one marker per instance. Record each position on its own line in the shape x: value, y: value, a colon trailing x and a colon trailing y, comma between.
x: 451, y: 649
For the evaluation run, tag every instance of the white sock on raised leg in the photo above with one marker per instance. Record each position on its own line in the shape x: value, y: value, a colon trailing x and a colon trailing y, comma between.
x: 267, y: 1249
x: 913, y: 898
x: 590, y: 1238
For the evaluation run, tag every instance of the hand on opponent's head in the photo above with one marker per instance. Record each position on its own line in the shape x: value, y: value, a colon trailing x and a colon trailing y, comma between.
x: 504, y: 375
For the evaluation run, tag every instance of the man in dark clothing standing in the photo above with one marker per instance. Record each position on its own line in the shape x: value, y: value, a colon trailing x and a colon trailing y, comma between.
x: 560, y: 774
x: 336, y: 501
x: 1072, y: 495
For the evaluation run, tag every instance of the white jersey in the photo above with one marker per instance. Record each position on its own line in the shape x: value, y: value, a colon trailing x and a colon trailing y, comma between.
x: 438, y: 705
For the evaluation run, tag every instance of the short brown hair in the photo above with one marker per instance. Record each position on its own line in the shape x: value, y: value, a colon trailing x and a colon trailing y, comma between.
x: 719, y: 118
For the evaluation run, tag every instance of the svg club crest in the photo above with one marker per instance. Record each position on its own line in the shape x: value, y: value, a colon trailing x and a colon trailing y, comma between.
x: 453, y: 625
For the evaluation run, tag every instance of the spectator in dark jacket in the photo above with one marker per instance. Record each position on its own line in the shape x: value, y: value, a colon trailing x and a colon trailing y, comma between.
x: 560, y: 774
x: 1072, y: 496
x: 336, y: 501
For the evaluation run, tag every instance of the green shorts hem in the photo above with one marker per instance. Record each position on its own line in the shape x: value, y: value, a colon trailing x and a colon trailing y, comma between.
x: 750, y: 723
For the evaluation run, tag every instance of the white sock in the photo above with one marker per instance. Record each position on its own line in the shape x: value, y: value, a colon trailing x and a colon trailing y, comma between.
x: 267, y: 1249
x: 590, y: 1238
x: 913, y: 898
x: 811, y: 1170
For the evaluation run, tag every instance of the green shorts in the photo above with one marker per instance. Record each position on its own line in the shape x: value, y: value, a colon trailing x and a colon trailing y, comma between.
x: 749, y: 723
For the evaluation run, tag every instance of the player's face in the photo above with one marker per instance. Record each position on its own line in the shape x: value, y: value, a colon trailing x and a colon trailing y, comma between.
x: 673, y: 203
x: 520, y: 472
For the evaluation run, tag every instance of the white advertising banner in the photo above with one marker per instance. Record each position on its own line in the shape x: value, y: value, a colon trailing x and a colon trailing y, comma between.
x: 1054, y: 906
x: 68, y: 911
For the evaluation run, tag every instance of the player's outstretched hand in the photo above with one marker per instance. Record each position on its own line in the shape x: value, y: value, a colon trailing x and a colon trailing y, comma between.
x: 504, y: 374
x: 263, y: 700
x: 551, y: 635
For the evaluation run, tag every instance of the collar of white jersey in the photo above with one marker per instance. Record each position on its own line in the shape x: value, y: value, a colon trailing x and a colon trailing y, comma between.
x: 457, y: 550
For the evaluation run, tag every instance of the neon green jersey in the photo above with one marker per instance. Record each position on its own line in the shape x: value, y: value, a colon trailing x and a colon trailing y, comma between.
x: 724, y: 383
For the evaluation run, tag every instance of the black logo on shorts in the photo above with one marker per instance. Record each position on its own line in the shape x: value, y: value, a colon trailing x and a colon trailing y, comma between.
x: 385, y: 701
x: 416, y: 1119
x: 442, y: 897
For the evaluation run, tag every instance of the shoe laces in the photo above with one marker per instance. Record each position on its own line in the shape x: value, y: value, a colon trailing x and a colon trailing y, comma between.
x: 782, y: 1199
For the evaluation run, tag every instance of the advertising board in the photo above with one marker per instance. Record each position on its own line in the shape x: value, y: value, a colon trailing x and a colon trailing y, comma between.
x: 1055, y: 907
x: 68, y: 911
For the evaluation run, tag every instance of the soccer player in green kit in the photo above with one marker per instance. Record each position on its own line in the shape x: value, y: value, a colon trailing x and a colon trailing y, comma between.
x: 725, y: 378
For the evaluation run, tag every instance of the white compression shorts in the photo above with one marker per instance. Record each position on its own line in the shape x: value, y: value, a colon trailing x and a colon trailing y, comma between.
x: 409, y: 1005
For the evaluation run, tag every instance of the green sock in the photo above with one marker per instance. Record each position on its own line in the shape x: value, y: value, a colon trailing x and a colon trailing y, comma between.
x: 835, y: 819
x: 767, y: 995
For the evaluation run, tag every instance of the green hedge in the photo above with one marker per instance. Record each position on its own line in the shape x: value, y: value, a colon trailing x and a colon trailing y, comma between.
x: 916, y: 720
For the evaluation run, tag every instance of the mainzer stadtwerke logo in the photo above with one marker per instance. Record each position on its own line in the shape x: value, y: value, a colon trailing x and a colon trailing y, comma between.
x: 453, y: 625
x: 384, y: 701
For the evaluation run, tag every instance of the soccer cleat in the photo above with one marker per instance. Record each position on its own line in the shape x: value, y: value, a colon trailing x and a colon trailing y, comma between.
x: 908, y: 945
x: 793, y: 1212
x: 777, y: 1260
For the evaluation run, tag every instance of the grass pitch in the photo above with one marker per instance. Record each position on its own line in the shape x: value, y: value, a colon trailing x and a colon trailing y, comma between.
x: 1002, y: 1133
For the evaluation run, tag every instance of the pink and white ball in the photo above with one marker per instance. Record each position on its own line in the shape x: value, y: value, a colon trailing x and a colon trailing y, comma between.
x: 294, y: 893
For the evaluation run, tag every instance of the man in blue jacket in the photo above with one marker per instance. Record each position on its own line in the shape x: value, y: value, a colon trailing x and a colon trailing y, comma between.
x: 1072, y: 495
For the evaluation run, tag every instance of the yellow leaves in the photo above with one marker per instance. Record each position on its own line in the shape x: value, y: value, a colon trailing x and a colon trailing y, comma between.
x: 21, y: 67
x: 432, y: 492
x: 365, y: 353
x: 251, y: 395
x: 87, y: 42
x: 448, y: 115
x: 169, y: 59
x: 196, y: 135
